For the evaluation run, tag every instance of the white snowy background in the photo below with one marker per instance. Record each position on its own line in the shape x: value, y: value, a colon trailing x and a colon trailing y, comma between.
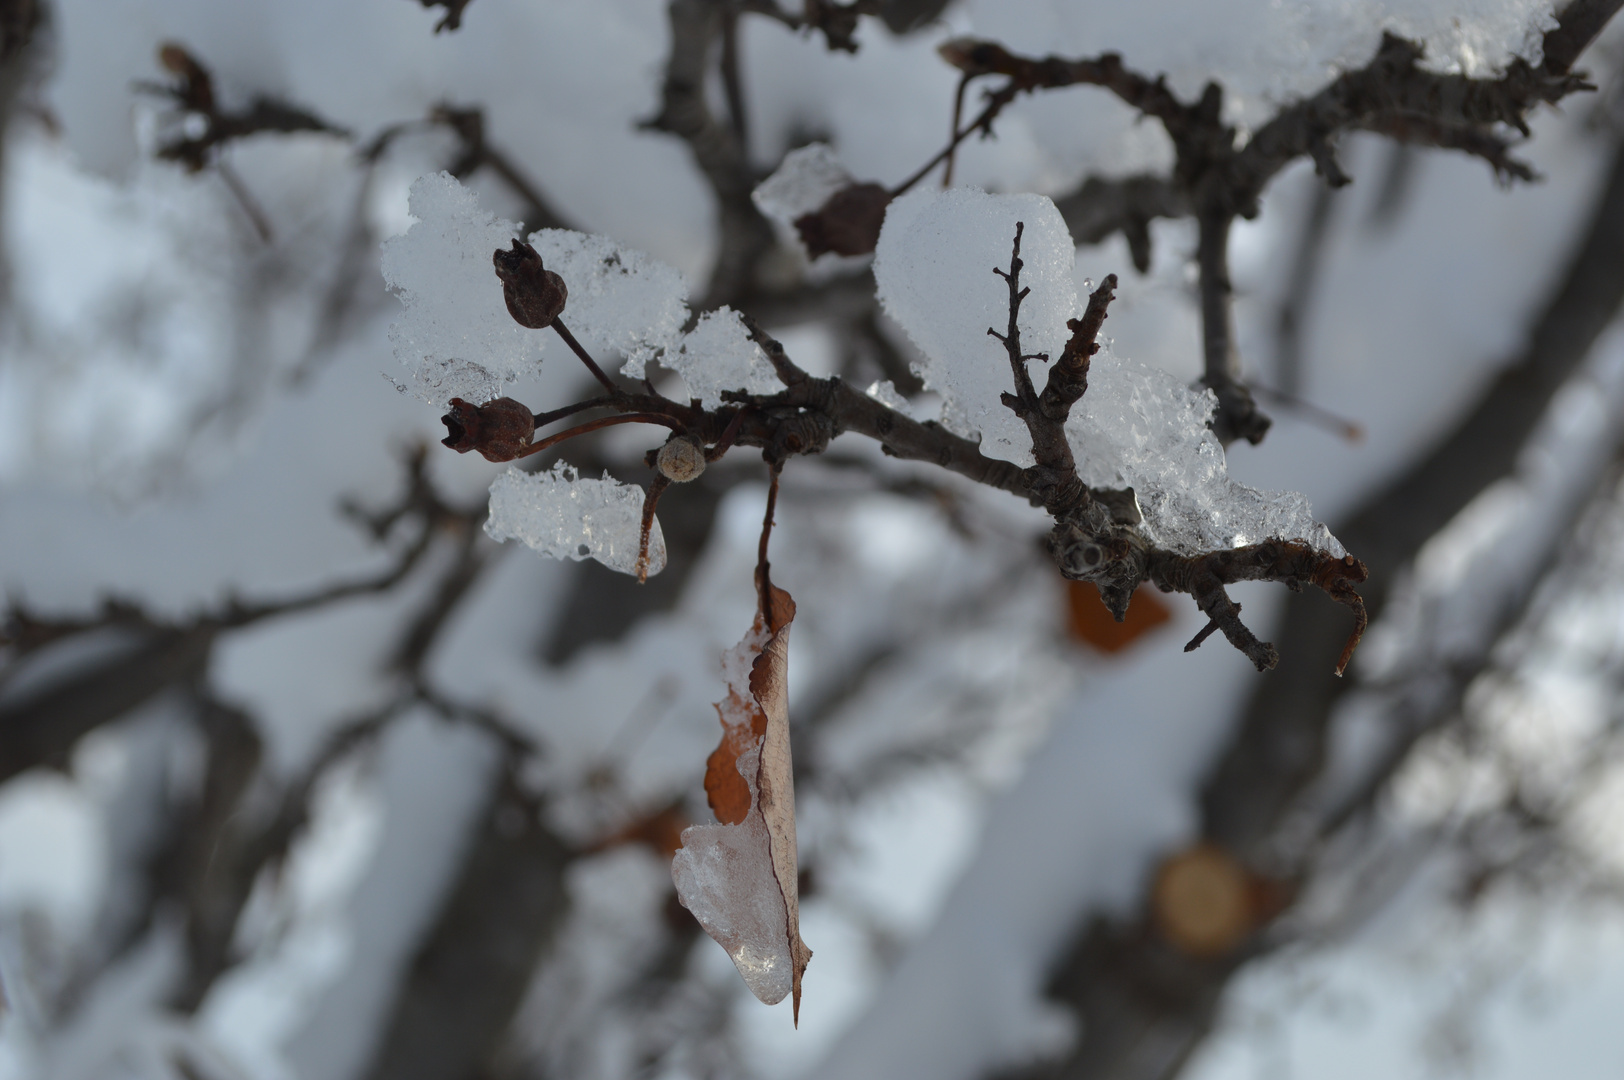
x: 178, y: 424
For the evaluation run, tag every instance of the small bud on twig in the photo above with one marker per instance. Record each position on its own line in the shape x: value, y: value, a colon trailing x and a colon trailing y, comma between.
x: 681, y: 459
x: 535, y: 295
x: 500, y: 430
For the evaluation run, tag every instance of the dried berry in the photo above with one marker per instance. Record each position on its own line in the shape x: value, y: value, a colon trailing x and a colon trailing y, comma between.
x: 848, y: 224
x: 681, y: 459
x: 535, y: 295
x: 500, y: 430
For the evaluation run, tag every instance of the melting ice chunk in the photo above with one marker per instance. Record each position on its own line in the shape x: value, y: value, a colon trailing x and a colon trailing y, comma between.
x: 455, y: 335
x: 621, y: 301
x: 934, y: 268
x: 1138, y: 426
x: 719, y: 354
x: 561, y: 515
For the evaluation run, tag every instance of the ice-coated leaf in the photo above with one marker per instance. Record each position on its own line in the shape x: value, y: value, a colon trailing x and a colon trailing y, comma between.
x: 561, y: 515
x: 621, y: 301
x: 455, y: 335
x: 803, y: 182
x: 739, y: 877
x: 934, y: 268
x: 718, y: 354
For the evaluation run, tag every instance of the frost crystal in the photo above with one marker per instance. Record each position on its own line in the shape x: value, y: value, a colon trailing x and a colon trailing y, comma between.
x: 1140, y: 427
x: 621, y: 301
x: 455, y: 335
x: 934, y: 268
x: 802, y: 184
x: 718, y: 354
x: 558, y: 514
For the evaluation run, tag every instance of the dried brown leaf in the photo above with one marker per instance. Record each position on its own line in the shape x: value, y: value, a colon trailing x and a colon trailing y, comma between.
x: 739, y: 877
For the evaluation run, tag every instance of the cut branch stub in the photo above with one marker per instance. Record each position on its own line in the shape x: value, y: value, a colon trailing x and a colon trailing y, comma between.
x: 739, y: 878
x: 1202, y: 901
x: 681, y: 459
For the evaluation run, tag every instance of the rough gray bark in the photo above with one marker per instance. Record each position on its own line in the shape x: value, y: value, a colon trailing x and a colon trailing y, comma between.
x: 471, y: 971
x: 744, y: 236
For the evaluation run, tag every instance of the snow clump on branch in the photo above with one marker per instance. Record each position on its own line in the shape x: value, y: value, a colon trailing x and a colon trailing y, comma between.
x: 1136, y: 426
x: 455, y: 335
x: 559, y: 514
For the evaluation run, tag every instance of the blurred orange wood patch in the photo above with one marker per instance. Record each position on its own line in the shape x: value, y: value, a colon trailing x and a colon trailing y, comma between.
x: 1090, y: 622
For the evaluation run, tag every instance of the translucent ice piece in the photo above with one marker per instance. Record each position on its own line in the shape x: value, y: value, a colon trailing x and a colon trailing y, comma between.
x: 718, y: 354
x: 1140, y: 427
x: 802, y: 184
x: 885, y: 392
x: 561, y: 515
x: 621, y: 302
x: 724, y: 875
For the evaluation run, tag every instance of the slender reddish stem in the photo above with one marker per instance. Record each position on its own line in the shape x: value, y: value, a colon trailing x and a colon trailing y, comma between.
x: 586, y: 357
x: 602, y: 422
x: 543, y: 419
x: 763, y: 581
x: 730, y: 433
x: 650, y: 500
x: 993, y: 108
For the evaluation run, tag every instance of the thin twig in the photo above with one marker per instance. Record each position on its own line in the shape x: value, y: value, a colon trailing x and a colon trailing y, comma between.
x: 586, y: 357
x: 598, y: 424
x: 651, y: 499
x: 763, y: 568
x: 250, y: 205
x: 953, y: 129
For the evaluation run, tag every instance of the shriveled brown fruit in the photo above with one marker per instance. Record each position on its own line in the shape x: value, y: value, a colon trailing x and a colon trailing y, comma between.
x: 848, y: 223
x: 501, y: 430
x: 535, y: 295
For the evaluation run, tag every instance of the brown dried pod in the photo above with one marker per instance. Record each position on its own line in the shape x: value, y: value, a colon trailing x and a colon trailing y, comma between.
x: 500, y: 430
x: 681, y: 459
x: 535, y: 295
x: 848, y: 224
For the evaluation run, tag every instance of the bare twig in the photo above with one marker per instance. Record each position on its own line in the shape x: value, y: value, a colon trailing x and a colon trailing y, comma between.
x: 586, y: 358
